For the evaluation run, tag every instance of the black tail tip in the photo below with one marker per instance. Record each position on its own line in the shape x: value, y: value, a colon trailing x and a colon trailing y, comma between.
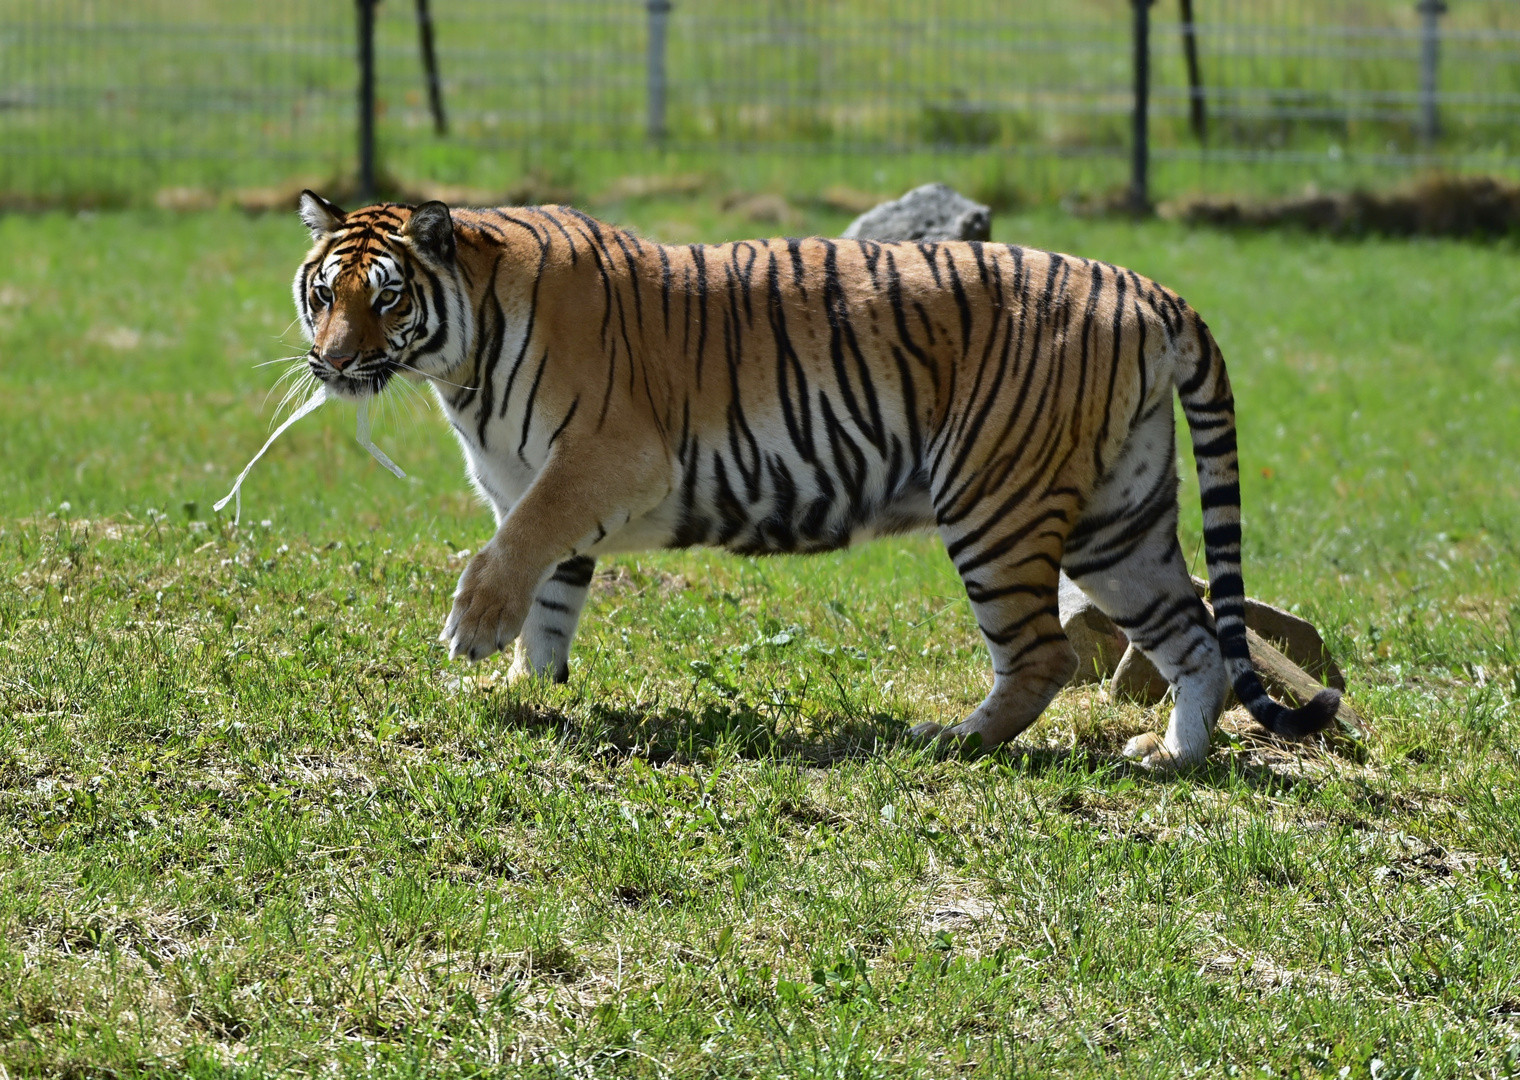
x: 1317, y: 715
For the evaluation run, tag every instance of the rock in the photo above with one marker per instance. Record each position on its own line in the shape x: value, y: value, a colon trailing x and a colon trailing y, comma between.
x: 653, y: 187
x: 848, y: 200
x: 1136, y: 679
x: 184, y: 199
x: 1297, y: 638
x: 762, y: 209
x: 1099, y: 643
x: 1290, y: 683
x: 280, y: 198
x: 931, y: 212
x: 454, y: 194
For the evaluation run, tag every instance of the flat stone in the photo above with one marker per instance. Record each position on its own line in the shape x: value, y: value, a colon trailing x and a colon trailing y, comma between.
x: 1098, y: 642
x: 1297, y: 638
x: 931, y: 212
x: 1136, y: 679
x: 764, y: 209
x: 1291, y: 684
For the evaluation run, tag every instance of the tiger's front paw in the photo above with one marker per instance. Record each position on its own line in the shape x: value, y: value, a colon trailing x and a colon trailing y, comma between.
x: 486, y: 613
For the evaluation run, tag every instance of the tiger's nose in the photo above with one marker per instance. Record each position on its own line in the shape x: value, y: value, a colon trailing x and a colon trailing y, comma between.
x: 338, y: 360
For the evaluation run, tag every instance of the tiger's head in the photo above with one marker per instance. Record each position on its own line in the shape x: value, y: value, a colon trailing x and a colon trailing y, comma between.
x: 380, y: 292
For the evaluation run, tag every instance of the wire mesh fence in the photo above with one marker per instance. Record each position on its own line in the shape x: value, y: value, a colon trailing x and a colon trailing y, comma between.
x: 123, y: 98
x: 126, y: 96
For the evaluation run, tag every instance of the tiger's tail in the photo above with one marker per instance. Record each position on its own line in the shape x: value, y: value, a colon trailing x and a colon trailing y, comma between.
x: 1209, y: 406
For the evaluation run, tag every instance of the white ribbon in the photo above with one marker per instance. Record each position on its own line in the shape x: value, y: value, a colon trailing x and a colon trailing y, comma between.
x: 361, y: 433
x: 310, y: 405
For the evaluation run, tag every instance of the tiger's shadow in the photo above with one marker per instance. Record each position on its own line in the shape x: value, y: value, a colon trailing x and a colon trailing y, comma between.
x: 675, y: 735
x: 1218, y: 771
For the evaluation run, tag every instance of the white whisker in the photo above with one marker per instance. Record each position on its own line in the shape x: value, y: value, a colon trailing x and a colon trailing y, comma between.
x: 407, y: 403
x: 290, y: 372
x: 427, y: 400
x: 435, y: 378
x: 382, y: 402
x: 279, y: 360
x: 297, y: 391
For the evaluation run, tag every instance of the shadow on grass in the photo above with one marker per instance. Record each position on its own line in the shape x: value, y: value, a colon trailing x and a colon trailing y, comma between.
x: 1048, y: 761
x: 679, y: 735
x: 673, y: 734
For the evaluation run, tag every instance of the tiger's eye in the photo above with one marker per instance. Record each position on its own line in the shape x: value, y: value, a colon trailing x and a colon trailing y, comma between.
x: 323, y: 294
x: 388, y: 297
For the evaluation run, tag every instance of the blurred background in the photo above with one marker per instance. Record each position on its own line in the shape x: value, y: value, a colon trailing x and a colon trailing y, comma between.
x: 195, y: 102
x: 145, y: 315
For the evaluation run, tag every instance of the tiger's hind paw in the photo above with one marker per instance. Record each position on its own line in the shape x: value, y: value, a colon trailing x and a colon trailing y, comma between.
x: 946, y: 740
x: 1142, y: 746
x: 1150, y: 752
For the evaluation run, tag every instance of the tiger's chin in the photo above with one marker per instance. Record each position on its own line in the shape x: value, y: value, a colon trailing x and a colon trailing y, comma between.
x: 356, y: 387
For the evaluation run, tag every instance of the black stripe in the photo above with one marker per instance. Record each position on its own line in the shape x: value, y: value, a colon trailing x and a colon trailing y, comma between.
x: 528, y: 407
x: 1226, y: 494
x: 575, y: 571
x: 576, y: 404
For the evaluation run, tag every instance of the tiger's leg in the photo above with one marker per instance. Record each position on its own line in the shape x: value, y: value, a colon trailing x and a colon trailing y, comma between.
x: 1124, y: 554
x: 543, y: 646
x: 584, y: 494
x: 1012, y: 588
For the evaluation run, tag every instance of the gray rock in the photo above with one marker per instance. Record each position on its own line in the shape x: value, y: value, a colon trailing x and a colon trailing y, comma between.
x: 1297, y: 638
x: 931, y: 212
x: 1136, y: 679
x: 1099, y: 643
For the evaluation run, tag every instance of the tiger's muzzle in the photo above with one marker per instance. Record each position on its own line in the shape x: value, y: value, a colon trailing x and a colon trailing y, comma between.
x: 351, y: 375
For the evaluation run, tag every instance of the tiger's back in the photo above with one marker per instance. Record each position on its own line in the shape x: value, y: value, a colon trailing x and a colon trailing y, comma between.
x: 797, y: 395
x: 811, y: 391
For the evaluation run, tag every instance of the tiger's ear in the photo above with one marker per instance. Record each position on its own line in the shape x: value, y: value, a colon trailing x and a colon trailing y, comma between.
x: 320, y: 216
x: 431, y: 231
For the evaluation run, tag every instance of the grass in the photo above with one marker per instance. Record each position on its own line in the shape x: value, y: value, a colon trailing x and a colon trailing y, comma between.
x: 251, y: 822
x: 112, y: 104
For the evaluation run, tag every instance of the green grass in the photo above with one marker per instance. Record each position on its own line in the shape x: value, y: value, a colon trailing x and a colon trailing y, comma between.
x: 252, y: 822
x: 109, y: 103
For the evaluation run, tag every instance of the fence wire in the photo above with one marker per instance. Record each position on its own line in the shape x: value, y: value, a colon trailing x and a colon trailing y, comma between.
x: 124, y: 98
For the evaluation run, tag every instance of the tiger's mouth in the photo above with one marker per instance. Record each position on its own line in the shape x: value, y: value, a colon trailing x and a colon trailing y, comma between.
x: 362, y: 379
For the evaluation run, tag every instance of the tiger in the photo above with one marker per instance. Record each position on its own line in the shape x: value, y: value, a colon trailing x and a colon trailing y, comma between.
x: 611, y: 395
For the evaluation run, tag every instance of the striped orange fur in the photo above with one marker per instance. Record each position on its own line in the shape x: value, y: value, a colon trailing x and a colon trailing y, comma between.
x: 611, y: 394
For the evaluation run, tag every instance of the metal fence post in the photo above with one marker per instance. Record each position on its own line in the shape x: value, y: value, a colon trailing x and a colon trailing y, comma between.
x: 1196, y: 113
x: 1430, y: 54
x: 430, y: 66
x: 367, y: 99
x: 1139, y: 180
x: 659, y: 16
